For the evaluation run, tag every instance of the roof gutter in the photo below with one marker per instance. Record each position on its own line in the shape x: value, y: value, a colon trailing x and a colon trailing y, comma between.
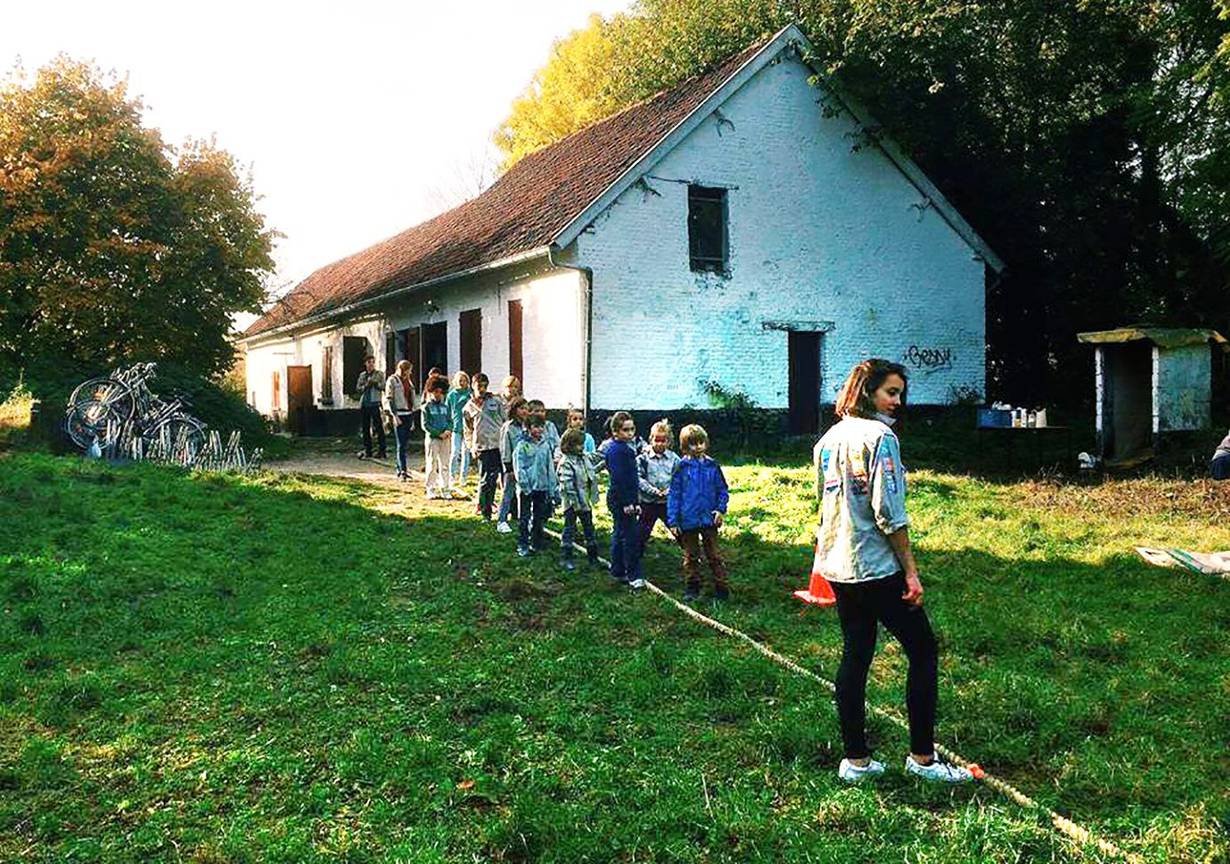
x: 587, y: 346
x: 360, y: 305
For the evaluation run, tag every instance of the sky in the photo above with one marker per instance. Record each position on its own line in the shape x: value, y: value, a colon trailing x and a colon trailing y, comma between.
x: 357, y: 119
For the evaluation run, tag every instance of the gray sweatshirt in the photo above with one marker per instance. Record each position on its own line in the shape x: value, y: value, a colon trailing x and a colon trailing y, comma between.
x: 482, y: 423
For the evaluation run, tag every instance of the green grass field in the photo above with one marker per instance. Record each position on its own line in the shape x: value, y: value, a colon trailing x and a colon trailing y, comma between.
x: 282, y: 668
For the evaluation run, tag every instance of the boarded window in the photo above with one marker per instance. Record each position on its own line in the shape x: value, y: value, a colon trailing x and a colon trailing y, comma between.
x: 326, y: 376
x: 514, y: 342
x: 707, y: 229
x: 472, y: 341
x: 354, y: 352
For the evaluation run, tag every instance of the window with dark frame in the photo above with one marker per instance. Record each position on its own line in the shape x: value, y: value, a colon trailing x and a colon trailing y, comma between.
x: 707, y: 229
x: 326, y: 376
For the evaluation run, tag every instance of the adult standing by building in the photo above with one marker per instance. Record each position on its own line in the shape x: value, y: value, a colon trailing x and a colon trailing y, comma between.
x: 370, y: 388
x: 401, y: 401
x: 863, y: 549
x: 1220, y: 466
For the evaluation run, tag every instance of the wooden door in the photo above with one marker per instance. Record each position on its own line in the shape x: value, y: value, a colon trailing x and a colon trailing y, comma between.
x: 435, y: 348
x: 411, y: 350
x: 298, y: 397
x: 804, y: 386
x: 515, y: 366
x: 471, y: 323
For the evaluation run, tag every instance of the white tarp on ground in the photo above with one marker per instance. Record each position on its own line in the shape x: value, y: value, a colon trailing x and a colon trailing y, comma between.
x: 1211, y: 563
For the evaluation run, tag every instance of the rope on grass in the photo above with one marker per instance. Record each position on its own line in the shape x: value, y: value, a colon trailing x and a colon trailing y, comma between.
x: 1062, y: 824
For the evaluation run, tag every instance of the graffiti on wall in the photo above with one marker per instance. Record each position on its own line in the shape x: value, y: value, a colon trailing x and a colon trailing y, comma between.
x: 928, y: 359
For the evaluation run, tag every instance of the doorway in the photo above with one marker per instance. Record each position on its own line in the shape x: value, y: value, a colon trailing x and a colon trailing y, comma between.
x: 804, y: 387
x: 298, y: 398
x: 471, y: 322
x: 515, y: 366
x: 435, y: 349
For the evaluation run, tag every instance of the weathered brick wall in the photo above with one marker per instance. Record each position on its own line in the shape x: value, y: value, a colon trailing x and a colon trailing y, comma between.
x: 818, y: 233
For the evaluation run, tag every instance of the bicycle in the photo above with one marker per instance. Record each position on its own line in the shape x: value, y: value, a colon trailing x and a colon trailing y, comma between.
x: 109, y: 408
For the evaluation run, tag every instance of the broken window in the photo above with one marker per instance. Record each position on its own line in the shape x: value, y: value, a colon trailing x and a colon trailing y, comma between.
x: 707, y: 229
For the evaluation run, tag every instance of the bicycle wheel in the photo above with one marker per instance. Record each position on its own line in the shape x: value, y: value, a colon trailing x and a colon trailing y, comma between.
x: 96, y: 406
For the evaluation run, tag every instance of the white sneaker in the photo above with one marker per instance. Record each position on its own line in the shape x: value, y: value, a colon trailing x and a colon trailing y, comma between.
x: 852, y: 773
x: 503, y: 528
x: 938, y: 771
x: 637, y: 584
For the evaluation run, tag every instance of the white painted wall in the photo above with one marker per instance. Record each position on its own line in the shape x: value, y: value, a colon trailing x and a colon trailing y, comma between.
x: 817, y: 233
x: 552, y: 324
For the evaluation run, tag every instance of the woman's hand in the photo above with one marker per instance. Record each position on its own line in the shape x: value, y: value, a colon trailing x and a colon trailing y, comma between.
x: 913, y: 589
x: 717, y: 518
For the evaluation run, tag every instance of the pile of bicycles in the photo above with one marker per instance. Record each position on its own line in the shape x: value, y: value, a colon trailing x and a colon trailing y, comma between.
x: 118, y: 417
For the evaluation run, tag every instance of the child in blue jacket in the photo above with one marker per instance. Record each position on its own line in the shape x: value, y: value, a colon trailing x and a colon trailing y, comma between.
x: 694, y: 508
x: 621, y: 499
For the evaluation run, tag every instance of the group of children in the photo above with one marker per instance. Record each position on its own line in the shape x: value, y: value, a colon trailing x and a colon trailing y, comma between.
x: 541, y: 470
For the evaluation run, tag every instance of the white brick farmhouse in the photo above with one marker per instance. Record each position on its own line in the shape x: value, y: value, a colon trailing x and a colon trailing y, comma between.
x: 725, y: 230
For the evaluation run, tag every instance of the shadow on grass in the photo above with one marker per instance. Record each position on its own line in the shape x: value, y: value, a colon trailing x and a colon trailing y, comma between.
x: 338, y: 680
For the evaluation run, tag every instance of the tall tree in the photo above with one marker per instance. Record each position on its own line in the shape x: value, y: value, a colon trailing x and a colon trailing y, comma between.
x: 114, y: 246
x: 570, y: 92
x: 1088, y: 142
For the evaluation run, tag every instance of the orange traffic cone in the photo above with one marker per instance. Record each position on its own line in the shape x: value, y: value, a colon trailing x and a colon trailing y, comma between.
x: 819, y: 592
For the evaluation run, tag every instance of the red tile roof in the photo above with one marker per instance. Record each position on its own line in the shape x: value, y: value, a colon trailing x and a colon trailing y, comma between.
x: 524, y: 210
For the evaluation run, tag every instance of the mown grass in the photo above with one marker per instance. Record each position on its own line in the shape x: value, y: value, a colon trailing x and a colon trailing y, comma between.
x: 287, y: 668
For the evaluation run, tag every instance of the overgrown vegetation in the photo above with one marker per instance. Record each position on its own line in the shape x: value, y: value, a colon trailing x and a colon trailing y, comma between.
x: 284, y: 668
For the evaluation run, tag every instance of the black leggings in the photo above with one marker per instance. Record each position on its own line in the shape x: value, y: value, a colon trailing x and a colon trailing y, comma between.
x: 859, y: 606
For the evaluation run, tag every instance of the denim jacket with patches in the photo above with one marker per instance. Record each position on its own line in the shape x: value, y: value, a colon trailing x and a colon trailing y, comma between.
x: 861, y: 483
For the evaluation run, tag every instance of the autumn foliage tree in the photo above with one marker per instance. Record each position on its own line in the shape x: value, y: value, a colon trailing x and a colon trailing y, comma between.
x: 114, y: 246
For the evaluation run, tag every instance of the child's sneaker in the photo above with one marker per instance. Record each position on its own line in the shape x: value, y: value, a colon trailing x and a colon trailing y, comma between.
x: 721, y: 593
x: 567, y: 564
x: 852, y: 773
x: 503, y: 528
x: 690, y: 594
x: 523, y: 551
x: 636, y: 584
x: 938, y: 771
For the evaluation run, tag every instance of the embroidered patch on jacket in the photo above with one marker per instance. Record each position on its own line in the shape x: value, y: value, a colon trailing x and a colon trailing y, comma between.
x: 890, y: 473
x: 858, y: 473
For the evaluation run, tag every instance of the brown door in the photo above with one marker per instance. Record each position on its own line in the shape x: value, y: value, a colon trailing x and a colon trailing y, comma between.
x: 804, y: 370
x: 514, y: 342
x: 298, y: 397
x: 472, y: 341
x: 411, y: 350
x: 435, y: 348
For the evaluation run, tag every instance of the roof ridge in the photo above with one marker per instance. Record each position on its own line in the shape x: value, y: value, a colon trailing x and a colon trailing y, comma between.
x: 520, y: 211
x: 711, y: 67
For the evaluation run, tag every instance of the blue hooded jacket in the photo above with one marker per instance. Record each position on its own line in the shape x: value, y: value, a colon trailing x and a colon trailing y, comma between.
x: 698, y: 488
